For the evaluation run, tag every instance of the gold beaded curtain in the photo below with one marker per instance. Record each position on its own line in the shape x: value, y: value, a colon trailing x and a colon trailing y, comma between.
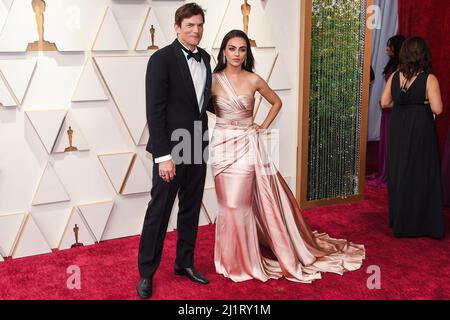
x: 337, y: 60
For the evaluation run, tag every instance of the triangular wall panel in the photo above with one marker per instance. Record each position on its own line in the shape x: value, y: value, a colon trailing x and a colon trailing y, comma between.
x: 215, y: 12
x: 6, y: 98
x: 279, y: 79
x: 109, y: 36
x: 31, y: 240
x: 76, y: 221
x: 145, y: 39
x: 210, y: 203
x: 145, y: 136
x: 120, y: 74
x: 116, y: 167
x: 78, y: 140
x: 259, y: 28
x: 52, y: 220
x: 10, y: 225
x: 5, y: 6
x: 96, y: 215
x: 209, y: 180
x: 138, y: 180
x: 203, y: 218
x: 262, y: 111
x: 173, y: 216
x: 47, y: 124
x: 264, y: 61
x: 18, y: 74
x: 90, y: 86
x: 50, y: 188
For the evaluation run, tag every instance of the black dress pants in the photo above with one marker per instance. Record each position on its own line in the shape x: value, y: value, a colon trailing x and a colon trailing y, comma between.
x: 189, y: 184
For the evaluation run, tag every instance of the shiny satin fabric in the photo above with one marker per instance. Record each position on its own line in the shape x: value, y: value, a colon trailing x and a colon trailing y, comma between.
x: 256, y: 206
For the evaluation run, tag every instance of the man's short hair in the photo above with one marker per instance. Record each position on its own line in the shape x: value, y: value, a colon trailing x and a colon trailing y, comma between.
x: 186, y: 11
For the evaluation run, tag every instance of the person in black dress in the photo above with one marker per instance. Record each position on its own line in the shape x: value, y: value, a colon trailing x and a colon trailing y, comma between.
x: 393, y: 48
x: 414, y: 180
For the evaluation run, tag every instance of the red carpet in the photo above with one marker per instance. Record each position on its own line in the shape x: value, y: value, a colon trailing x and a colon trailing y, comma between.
x: 410, y: 268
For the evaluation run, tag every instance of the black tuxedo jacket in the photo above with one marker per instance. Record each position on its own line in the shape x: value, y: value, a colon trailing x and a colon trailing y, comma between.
x: 171, y: 102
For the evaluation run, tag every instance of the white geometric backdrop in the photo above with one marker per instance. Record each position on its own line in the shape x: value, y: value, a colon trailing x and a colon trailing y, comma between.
x: 94, y: 87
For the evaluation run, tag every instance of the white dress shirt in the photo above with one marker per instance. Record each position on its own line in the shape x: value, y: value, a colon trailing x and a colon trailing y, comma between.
x: 198, y: 74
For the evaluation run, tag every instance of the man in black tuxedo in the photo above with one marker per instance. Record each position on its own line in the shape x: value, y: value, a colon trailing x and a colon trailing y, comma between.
x: 178, y: 90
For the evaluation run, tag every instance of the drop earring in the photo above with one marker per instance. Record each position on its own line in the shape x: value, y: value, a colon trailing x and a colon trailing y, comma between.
x: 245, y: 62
x: 224, y: 60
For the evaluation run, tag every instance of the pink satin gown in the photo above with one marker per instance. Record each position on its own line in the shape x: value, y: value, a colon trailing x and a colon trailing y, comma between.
x: 256, y: 206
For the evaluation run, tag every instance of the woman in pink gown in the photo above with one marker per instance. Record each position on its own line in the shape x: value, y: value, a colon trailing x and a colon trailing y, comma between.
x: 256, y: 206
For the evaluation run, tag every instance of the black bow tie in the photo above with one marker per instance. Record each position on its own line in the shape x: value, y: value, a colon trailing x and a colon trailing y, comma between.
x: 197, y: 56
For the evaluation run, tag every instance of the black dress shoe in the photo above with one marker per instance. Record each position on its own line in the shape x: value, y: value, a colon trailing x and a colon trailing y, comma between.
x: 192, y: 274
x: 144, y: 288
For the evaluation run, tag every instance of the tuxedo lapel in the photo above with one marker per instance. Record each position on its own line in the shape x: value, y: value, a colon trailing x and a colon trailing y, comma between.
x: 185, y: 73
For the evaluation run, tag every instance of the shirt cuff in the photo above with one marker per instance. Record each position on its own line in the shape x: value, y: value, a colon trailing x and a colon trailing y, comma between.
x: 163, y: 158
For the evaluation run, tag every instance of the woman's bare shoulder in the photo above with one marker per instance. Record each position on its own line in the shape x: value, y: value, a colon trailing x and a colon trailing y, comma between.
x: 254, y: 78
x: 432, y: 78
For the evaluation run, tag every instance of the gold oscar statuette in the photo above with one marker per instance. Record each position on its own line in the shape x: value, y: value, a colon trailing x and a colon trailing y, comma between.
x: 75, y: 231
x: 246, y: 8
x: 41, y: 44
x: 70, y: 147
x: 152, y: 34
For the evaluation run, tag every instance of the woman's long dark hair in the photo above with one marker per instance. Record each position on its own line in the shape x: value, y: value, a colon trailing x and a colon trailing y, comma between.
x: 395, y: 43
x: 415, y: 57
x: 250, y: 59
